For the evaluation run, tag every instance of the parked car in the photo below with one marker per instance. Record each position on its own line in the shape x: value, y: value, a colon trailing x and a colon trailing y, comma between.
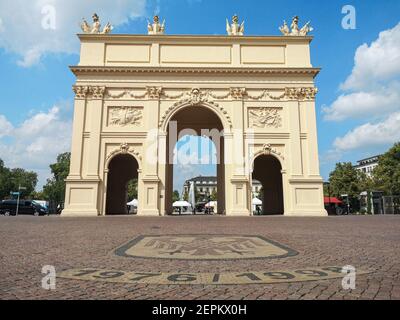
x: 26, y: 207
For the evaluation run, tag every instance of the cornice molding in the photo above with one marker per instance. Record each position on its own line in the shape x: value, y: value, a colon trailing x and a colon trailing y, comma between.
x: 81, y: 70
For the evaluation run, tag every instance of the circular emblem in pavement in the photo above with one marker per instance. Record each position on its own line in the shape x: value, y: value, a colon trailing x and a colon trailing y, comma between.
x: 204, y: 247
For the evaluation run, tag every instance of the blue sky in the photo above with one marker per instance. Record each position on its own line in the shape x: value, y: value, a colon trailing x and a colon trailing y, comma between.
x: 357, y: 106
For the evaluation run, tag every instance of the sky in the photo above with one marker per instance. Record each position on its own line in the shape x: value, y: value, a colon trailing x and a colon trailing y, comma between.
x: 358, y: 112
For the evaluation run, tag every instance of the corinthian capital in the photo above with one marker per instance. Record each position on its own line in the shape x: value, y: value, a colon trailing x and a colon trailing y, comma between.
x: 97, y: 92
x: 238, y: 93
x: 80, y: 91
x: 301, y: 93
x: 154, y: 92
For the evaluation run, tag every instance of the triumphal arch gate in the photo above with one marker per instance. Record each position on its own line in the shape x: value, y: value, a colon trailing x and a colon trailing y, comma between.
x: 135, y: 93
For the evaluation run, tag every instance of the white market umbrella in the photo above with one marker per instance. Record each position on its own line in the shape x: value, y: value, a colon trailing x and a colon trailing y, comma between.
x: 212, y: 204
x: 133, y: 203
x: 257, y: 202
x: 180, y: 204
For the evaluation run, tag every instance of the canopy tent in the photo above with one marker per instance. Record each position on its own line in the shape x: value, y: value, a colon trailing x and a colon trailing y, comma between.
x: 181, y: 204
x: 133, y: 203
x: 332, y: 200
x: 211, y: 204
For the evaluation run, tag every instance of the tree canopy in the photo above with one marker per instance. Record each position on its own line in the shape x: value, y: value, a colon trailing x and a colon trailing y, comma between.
x: 12, y: 179
x: 175, y: 196
x: 54, y: 190
x: 387, y: 173
x: 345, y: 179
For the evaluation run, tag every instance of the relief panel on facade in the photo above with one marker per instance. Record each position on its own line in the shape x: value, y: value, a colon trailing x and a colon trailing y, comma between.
x: 265, y: 117
x: 125, y: 116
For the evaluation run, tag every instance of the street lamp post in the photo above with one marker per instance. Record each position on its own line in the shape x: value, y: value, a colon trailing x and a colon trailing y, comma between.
x: 19, y: 194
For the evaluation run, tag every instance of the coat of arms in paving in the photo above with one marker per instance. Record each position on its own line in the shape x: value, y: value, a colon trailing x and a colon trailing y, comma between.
x: 204, y: 247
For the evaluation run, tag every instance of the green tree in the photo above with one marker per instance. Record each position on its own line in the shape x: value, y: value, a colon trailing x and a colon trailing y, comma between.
x: 22, y: 178
x: 197, y: 195
x: 345, y: 179
x: 132, y: 189
x: 5, y: 181
x: 175, y: 196
x: 214, y: 195
x: 11, y: 179
x: 55, y: 188
x: 387, y: 173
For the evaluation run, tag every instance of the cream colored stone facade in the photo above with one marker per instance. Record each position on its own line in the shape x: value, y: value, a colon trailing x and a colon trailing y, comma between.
x: 129, y: 86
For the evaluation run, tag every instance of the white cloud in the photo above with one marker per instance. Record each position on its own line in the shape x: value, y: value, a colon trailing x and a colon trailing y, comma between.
x: 373, y: 87
x: 378, y: 62
x: 30, y: 58
x: 364, y: 104
x: 5, y: 126
x: 371, y: 92
x: 371, y: 135
x: 1, y: 26
x: 23, y: 32
x: 35, y: 143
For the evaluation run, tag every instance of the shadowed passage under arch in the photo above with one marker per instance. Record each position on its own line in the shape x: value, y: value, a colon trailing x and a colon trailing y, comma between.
x: 267, y: 169
x: 122, y: 169
x: 201, y: 121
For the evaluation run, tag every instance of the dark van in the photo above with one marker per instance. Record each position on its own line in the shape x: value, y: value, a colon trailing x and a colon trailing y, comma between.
x: 26, y: 207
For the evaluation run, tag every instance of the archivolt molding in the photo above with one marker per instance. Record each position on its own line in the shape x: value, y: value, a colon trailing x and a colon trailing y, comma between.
x: 124, y: 148
x: 193, y: 98
x: 267, y: 150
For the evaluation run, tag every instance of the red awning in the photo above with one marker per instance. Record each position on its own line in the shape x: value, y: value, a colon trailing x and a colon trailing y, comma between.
x: 333, y: 200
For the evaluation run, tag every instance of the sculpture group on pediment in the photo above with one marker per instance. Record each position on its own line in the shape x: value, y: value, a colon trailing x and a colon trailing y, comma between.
x: 96, y: 26
x: 294, y: 29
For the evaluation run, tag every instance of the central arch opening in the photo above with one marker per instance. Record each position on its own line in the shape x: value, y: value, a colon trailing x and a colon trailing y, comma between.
x: 121, y: 184
x: 185, y: 124
x: 268, y: 171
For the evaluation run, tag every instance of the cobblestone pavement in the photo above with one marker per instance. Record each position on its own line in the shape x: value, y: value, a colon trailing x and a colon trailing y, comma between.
x: 366, y: 242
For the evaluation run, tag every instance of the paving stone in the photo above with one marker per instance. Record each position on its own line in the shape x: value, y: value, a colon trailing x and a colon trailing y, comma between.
x: 28, y: 243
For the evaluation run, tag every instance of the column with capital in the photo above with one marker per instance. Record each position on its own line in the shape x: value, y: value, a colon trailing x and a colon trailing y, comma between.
x: 149, y: 181
x: 95, y: 109
x: 77, y: 131
x: 82, y: 188
x: 236, y: 177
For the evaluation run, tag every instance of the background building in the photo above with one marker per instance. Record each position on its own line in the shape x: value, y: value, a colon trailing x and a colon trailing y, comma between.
x: 207, y: 185
x: 367, y: 165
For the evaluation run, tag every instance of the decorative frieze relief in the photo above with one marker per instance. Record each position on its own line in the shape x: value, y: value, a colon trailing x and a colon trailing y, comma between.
x: 149, y: 93
x: 265, y: 117
x: 196, y: 95
x: 125, y: 116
